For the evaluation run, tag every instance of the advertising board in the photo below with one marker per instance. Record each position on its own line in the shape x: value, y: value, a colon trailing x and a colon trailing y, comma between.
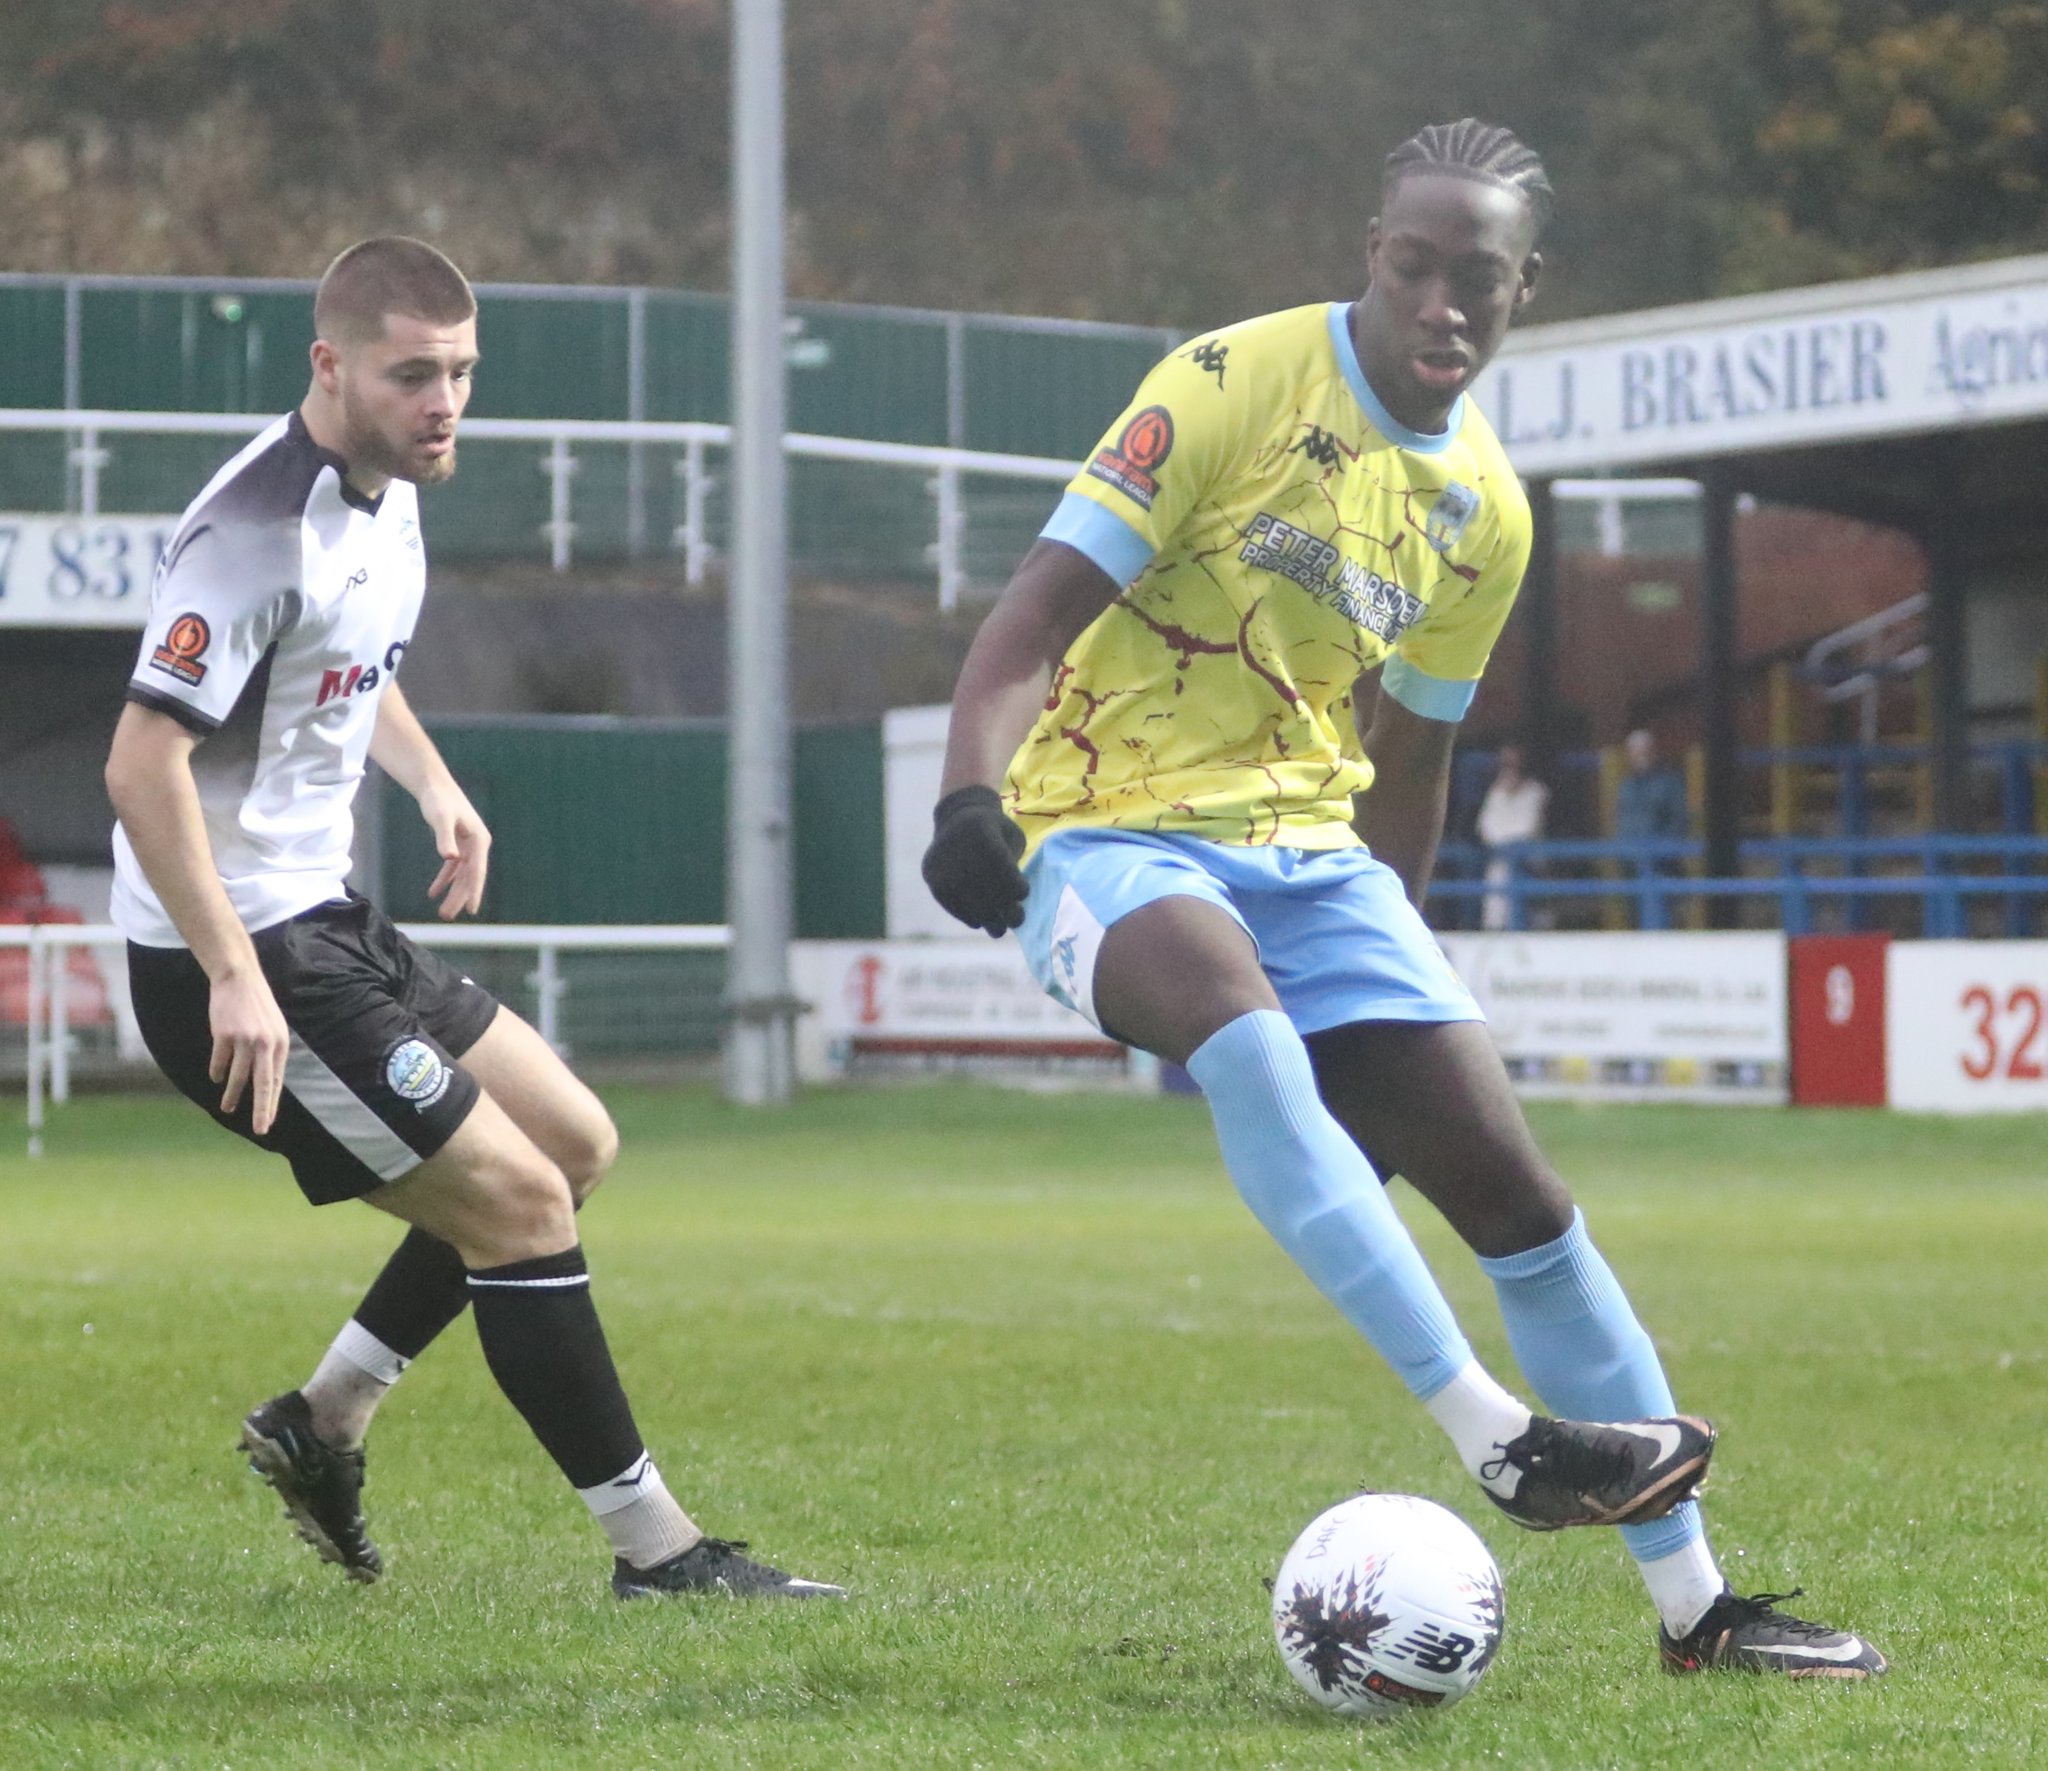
x: 1964, y: 1028
x: 883, y: 1008
x: 1893, y: 355
x: 1688, y: 1017
x: 79, y: 571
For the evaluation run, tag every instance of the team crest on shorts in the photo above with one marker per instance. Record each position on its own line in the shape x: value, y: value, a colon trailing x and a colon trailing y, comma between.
x: 416, y: 1074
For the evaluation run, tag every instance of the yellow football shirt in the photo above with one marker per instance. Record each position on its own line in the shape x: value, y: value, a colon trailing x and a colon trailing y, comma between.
x: 1278, y: 533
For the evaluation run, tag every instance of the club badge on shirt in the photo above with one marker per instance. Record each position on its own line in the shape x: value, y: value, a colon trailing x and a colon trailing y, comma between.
x: 182, y: 649
x: 1132, y: 466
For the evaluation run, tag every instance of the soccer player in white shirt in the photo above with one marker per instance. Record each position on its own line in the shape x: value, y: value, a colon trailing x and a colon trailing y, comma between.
x: 290, y: 1008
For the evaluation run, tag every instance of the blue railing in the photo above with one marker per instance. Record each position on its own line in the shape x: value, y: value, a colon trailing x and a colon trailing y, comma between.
x: 1944, y: 872
x: 2010, y: 762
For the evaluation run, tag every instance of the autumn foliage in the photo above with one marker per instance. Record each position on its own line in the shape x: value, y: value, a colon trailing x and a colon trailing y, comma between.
x: 1173, y: 161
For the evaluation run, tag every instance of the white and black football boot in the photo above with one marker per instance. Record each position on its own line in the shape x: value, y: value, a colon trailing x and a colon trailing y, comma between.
x: 320, y: 1485
x: 711, y: 1565
x: 1601, y: 1472
x: 1754, y: 1636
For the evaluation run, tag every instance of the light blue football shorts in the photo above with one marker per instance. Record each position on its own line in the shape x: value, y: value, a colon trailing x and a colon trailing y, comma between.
x: 1333, y: 928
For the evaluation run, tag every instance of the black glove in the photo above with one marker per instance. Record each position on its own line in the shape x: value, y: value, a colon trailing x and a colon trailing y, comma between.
x: 971, y: 866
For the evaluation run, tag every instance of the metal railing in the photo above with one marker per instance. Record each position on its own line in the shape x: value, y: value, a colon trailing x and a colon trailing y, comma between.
x: 50, y: 1033
x: 1799, y: 872
x: 946, y: 472
x: 975, y: 526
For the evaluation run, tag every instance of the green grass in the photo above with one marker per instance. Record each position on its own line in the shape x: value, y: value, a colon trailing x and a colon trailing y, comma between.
x: 1023, y: 1373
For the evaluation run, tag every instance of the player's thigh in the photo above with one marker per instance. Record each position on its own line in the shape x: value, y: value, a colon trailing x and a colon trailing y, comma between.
x: 1431, y: 1102
x: 1342, y: 943
x: 1173, y: 973
x: 490, y: 1191
x: 1139, y: 935
x: 545, y: 1099
x: 508, y: 1059
x: 369, y: 1091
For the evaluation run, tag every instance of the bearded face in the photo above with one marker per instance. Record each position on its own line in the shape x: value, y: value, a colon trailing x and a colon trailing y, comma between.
x: 401, y: 397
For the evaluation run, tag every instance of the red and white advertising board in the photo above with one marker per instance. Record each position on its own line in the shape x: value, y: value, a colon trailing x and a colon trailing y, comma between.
x: 1966, y: 1026
x: 1838, y: 1031
x: 896, y: 1008
x: 1638, y: 1017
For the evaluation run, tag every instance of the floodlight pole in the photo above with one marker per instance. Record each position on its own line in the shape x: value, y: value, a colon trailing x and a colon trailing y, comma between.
x: 759, y: 1040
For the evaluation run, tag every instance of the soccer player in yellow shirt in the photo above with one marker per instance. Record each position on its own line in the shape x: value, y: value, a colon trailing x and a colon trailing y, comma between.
x: 1166, y: 770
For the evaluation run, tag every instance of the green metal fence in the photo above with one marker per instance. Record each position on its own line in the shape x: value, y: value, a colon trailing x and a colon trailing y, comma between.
x: 987, y: 383
x: 972, y: 381
x: 598, y: 820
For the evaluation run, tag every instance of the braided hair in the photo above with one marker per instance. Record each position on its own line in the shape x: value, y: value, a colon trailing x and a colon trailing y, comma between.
x: 1483, y: 151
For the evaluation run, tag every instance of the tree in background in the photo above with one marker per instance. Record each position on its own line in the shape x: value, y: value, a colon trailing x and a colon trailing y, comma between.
x: 1175, y: 161
x: 1902, y: 135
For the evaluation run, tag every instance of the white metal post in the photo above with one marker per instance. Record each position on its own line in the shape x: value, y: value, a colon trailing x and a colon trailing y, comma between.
x: 956, y: 381
x: 636, y: 411
x: 760, y: 1055
x: 691, y: 534
x: 60, y: 1021
x: 952, y: 525
x: 558, y: 465
x: 74, y: 345
x: 547, y: 996
x: 88, y: 457
x: 36, y: 951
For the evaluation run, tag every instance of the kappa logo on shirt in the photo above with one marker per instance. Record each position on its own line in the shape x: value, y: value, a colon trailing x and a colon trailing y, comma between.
x: 1209, y: 357
x: 1323, y: 447
x: 358, y: 679
x: 182, y: 649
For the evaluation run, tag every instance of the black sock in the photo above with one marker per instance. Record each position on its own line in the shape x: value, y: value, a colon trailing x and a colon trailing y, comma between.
x: 545, y: 1346
x: 423, y: 1288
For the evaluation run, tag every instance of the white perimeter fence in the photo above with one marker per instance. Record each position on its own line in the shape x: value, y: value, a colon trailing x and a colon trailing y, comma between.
x: 564, y: 489
x: 622, y: 992
x: 882, y: 510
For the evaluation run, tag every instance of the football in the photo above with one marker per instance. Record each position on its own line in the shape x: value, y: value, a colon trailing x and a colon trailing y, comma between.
x: 1388, y: 1602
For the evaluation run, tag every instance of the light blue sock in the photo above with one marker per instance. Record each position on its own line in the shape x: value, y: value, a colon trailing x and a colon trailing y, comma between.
x: 1580, y: 1346
x: 1318, y: 1197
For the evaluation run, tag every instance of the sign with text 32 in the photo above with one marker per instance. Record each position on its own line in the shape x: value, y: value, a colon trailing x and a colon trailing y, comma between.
x: 1967, y: 1026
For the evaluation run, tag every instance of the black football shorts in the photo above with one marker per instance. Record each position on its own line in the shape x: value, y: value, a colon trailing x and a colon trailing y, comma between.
x: 372, y: 1086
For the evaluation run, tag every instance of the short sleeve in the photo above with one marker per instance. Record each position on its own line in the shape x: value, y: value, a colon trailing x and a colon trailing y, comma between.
x: 1176, y: 440
x: 1437, y: 663
x: 222, y: 596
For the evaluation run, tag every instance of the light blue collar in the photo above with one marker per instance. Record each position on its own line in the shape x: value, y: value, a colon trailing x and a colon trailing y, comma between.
x: 1384, y: 421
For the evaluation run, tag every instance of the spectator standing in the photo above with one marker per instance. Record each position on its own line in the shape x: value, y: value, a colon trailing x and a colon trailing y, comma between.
x: 1649, y: 802
x: 1512, y: 812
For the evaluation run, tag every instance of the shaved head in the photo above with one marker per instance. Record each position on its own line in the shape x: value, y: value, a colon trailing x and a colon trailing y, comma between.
x: 389, y: 275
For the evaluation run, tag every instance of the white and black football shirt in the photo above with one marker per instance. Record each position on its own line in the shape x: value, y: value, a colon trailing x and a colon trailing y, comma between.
x: 281, y: 609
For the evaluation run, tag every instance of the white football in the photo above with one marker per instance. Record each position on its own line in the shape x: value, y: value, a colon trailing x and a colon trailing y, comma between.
x: 1387, y: 1603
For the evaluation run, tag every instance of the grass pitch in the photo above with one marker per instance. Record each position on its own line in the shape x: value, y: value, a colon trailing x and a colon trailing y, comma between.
x: 1023, y: 1374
